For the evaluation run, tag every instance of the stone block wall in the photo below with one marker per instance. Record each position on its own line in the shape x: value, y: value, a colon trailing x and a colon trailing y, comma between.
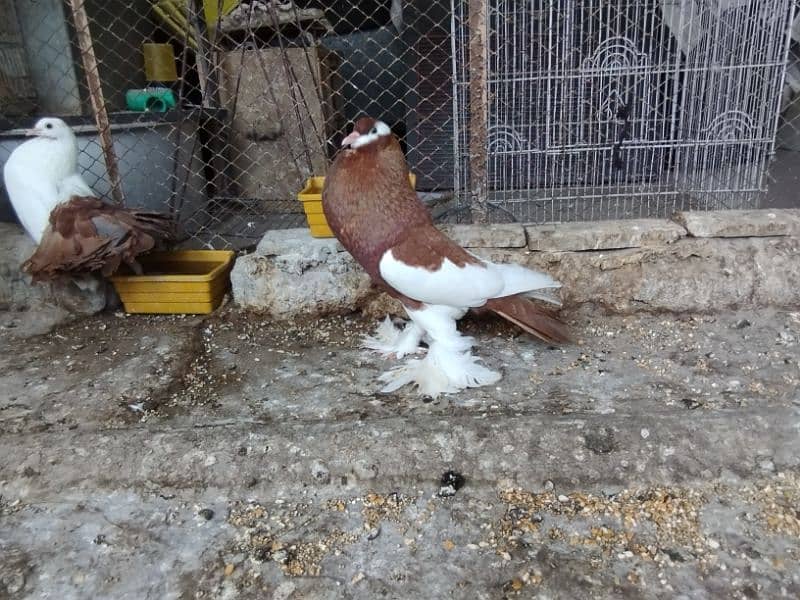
x: 31, y: 309
x: 696, y: 262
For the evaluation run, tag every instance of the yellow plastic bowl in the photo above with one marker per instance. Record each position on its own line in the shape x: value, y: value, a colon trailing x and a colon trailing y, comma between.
x: 177, y: 282
x: 311, y: 197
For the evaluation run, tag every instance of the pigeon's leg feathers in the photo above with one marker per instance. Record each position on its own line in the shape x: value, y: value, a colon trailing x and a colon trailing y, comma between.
x: 449, y: 365
x: 442, y: 371
x: 392, y: 342
x: 439, y: 324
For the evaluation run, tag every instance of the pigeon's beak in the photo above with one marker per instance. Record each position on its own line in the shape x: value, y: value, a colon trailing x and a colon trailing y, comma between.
x: 350, y: 139
x: 32, y: 132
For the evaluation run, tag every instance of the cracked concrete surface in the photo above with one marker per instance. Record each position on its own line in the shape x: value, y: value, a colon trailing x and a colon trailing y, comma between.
x: 231, y: 457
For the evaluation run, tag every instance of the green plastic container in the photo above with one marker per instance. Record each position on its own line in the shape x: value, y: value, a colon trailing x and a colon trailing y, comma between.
x: 153, y: 99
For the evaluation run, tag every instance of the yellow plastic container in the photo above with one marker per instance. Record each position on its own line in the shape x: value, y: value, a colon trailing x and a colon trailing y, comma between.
x: 311, y: 197
x: 159, y: 62
x: 211, y: 13
x: 177, y: 282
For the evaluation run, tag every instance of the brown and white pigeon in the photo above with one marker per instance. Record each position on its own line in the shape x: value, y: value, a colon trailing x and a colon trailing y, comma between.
x: 374, y: 212
x: 77, y: 234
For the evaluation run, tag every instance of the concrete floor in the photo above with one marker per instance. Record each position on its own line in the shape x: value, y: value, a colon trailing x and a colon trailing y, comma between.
x: 228, y: 457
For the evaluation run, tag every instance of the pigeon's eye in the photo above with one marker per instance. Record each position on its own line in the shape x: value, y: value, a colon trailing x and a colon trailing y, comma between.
x: 48, y: 126
x: 374, y: 130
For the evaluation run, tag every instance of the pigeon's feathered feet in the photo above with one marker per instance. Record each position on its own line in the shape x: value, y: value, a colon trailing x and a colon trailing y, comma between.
x: 449, y: 365
x: 393, y: 342
x: 442, y: 371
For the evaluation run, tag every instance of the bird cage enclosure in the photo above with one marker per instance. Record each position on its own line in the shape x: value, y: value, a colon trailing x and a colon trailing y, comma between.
x: 598, y: 110
x: 217, y: 111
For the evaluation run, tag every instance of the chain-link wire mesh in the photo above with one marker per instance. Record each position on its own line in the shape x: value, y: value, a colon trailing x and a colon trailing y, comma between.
x: 219, y: 110
x: 784, y: 173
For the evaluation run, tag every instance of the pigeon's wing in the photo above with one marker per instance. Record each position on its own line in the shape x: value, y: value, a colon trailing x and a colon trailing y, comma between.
x: 32, y: 197
x: 87, y: 235
x: 59, y: 255
x: 429, y: 267
x: 71, y: 243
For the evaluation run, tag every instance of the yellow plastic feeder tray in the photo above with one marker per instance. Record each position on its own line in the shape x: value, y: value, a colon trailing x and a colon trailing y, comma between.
x: 311, y: 197
x: 177, y: 282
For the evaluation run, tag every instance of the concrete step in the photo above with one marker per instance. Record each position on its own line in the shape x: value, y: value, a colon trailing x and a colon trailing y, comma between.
x: 166, y: 457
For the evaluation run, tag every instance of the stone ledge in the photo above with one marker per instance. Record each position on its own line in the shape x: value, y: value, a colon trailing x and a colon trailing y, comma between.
x: 624, y: 266
x: 509, y: 235
x: 603, y: 235
x: 33, y: 309
x: 291, y: 273
x: 691, y: 275
x: 741, y: 223
x: 280, y: 242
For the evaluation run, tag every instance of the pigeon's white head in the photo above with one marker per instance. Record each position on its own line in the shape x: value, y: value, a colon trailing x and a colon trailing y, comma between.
x: 366, y: 131
x: 51, y: 128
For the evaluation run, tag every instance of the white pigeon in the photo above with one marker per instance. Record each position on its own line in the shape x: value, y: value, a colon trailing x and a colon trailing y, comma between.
x: 77, y: 234
x: 42, y: 173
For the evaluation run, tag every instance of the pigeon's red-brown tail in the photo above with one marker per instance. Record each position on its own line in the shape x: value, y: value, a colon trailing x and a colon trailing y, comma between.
x: 531, y: 317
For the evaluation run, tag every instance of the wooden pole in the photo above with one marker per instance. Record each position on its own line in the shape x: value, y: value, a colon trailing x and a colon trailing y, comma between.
x: 84, y: 37
x: 478, y: 109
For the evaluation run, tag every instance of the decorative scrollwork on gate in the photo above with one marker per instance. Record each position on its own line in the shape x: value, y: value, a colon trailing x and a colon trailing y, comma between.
x: 615, y: 55
x: 503, y: 138
x: 732, y: 125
